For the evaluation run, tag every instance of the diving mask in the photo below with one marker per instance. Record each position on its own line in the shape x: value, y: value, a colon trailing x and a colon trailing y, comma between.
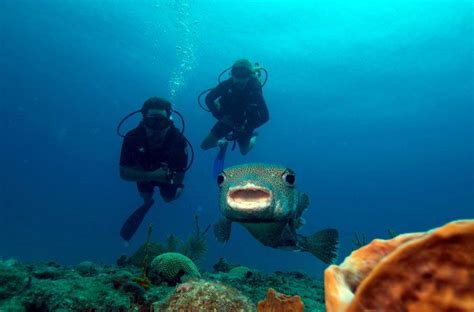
x: 157, y: 122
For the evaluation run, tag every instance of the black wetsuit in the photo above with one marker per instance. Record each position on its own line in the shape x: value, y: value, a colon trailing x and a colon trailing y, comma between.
x: 139, y: 153
x: 245, y: 107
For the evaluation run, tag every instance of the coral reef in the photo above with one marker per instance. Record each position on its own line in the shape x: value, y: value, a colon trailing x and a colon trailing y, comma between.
x: 173, y: 243
x: 94, y: 287
x: 153, y: 250
x: 136, y: 291
x: 432, y: 271
x: 277, y: 302
x: 194, y: 248
x: 87, y: 268
x: 240, y: 272
x: 51, y: 287
x: 223, y: 266
x: 255, y: 286
x: 206, y: 296
x: 172, y: 268
x: 71, y: 292
x: 13, y: 278
x: 143, y: 280
x: 196, y: 245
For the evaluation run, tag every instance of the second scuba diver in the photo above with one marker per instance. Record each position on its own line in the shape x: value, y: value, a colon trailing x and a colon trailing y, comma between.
x: 239, y: 107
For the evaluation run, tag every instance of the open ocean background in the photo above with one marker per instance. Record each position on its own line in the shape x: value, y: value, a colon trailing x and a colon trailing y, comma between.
x: 371, y: 103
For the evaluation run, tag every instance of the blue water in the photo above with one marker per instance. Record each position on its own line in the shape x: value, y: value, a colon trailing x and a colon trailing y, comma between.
x: 371, y: 103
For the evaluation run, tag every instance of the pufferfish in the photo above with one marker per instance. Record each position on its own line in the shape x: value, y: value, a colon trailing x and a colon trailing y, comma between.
x: 263, y: 198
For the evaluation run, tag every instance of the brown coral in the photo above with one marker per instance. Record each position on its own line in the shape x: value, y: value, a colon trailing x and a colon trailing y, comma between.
x: 204, y: 296
x: 432, y: 271
x: 277, y: 302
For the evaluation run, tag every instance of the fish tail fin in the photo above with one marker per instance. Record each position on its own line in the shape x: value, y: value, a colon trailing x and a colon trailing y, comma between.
x: 322, y: 244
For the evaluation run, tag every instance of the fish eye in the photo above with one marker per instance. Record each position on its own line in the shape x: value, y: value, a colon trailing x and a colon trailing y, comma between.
x: 289, y: 179
x: 220, y: 179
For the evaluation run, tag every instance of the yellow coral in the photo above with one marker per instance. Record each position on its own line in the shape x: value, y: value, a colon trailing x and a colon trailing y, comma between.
x: 173, y: 268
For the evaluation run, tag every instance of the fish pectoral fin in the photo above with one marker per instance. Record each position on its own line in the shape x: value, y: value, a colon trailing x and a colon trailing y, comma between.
x: 288, y: 239
x: 299, y: 222
x: 323, y: 244
x: 303, y: 204
x: 222, y: 230
x: 295, y: 223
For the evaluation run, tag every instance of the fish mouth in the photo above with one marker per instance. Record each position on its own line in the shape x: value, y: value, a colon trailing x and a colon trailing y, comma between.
x: 249, y: 198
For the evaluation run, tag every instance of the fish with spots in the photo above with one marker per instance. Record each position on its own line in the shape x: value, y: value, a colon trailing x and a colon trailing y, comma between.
x: 264, y: 199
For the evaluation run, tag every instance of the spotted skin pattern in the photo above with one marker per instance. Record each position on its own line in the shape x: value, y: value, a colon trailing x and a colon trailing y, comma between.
x: 270, y: 177
x: 274, y: 223
x: 263, y: 198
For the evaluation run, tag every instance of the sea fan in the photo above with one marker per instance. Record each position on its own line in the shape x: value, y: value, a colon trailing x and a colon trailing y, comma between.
x: 172, y: 243
x: 196, y: 245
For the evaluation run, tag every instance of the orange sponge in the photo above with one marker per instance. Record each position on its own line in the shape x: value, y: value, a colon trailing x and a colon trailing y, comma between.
x: 432, y: 271
x: 277, y: 302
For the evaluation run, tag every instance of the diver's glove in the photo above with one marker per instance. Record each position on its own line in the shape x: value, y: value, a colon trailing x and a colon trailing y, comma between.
x: 171, y: 176
x: 243, y: 129
x: 161, y: 174
x: 175, y: 178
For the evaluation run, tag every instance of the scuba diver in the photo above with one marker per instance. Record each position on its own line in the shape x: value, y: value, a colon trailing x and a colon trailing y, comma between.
x: 239, y: 107
x: 154, y: 154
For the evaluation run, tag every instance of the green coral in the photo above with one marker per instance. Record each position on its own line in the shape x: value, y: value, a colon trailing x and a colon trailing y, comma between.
x: 72, y: 292
x: 51, y: 287
x: 173, y: 243
x: 154, y: 250
x: 13, y: 278
x: 194, y: 248
x: 172, y: 267
x: 196, y: 245
x: 240, y: 272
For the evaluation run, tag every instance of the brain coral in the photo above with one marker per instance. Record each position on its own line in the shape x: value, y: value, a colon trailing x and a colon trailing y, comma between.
x: 203, y: 296
x: 173, y: 268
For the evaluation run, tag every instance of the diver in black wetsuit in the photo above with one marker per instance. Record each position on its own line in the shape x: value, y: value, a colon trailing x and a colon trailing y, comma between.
x: 153, y: 155
x: 238, y: 105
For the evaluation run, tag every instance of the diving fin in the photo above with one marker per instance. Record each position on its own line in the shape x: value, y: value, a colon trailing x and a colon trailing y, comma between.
x: 322, y: 244
x: 219, y: 160
x: 222, y: 230
x: 133, y: 222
